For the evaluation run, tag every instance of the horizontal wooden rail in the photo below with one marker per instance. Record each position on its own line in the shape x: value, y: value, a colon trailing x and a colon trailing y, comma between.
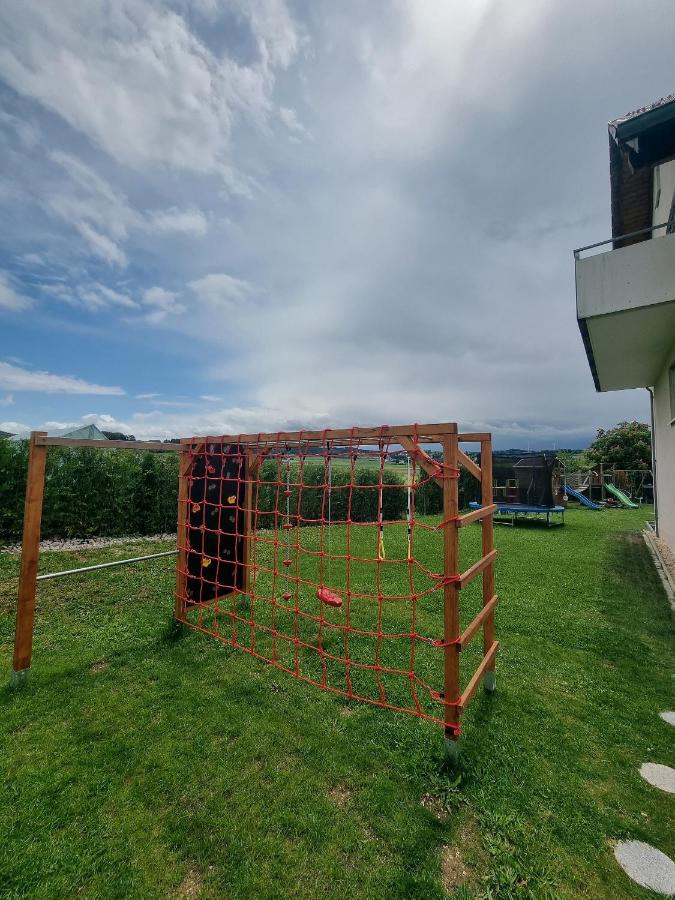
x: 469, y: 464
x: 478, y: 674
x: 476, y: 514
x: 476, y: 568
x: 474, y: 437
x: 369, y: 435
x: 475, y: 625
x: 154, y: 446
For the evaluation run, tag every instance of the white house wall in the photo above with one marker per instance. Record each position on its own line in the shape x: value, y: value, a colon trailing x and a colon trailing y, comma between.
x: 664, y: 191
x: 664, y: 441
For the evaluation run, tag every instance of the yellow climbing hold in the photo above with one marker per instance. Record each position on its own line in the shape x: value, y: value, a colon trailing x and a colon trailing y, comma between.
x: 232, y: 498
x: 206, y: 562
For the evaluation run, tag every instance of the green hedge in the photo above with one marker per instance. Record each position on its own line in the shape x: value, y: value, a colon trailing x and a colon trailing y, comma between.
x: 91, y: 492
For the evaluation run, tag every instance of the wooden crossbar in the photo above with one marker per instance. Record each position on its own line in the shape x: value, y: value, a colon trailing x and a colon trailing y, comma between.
x: 473, y: 437
x: 476, y: 515
x: 154, y: 446
x: 368, y: 435
x: 475, y: 625
x: 476, y: 568
x: 485, y: 664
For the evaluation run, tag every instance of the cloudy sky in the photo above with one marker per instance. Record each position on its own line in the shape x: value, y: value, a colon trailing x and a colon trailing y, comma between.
x: 233, y: 215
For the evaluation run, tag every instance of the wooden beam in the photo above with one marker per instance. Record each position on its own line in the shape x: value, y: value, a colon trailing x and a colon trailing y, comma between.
x: 469, y: 464
x: 473, y: 437
x: 184, y: 467
x: 476, y: 515
x: 154, y: 446
x: 423, y: 459
x: 451, y: 677
x: 475, y: 625
x: 370, y: 435
x: 488, y: 549
x: 487, y: 661
x: 476, y: 568
x: 30, y: 554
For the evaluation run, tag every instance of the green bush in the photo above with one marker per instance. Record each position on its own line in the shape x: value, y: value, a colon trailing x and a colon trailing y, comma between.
x: 91, y: 492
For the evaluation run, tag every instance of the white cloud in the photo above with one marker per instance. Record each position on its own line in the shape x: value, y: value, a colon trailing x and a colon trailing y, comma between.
x: 290, y: 119
x: 99, y: 296
x: 159, y: 424
x: 209, y: 398
x: 104, y: 217
x: 139, y: 83
x: 10, y: 299
x: 146, y: 396
x: 7, y: 400
x: 186, y: 221
x: 15, y: 378
x: 14, y: 427
x: 161, y: 303
x: 221, y: 290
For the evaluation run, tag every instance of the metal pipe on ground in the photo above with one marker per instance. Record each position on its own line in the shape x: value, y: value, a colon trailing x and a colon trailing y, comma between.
x: 107, y: 565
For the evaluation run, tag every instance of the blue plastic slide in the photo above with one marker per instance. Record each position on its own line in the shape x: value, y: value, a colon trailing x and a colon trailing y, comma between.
x: 582, y: 498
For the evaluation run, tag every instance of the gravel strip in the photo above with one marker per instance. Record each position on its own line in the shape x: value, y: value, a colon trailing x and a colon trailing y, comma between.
x: 92, y: 543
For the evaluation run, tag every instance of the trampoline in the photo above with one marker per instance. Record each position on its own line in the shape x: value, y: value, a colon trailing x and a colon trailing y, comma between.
x: 523, y: 510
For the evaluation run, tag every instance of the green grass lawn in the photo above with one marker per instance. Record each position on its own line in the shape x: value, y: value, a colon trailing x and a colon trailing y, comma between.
x: 142, y: 764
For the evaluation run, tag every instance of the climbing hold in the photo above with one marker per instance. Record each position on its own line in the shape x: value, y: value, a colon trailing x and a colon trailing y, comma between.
x: 288, y: 562
x: 329, y: 597
x: 196, y: 507
x: 232, y: 498
x: 206, y: 562
x: 286, y: 595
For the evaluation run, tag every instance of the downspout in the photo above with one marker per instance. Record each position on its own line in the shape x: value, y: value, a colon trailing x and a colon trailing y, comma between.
x: 656, y: 505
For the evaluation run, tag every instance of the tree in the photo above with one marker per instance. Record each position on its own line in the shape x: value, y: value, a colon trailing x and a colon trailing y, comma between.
x: 626, y: 446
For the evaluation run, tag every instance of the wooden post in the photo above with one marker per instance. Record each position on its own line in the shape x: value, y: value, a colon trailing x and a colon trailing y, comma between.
x: 184, y: 467
x: 488, y: 547
x: 30, y: 553
x: 451, y: 682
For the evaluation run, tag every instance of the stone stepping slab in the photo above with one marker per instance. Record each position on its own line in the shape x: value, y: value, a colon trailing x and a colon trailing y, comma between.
x: 647, y: 866
x: 661, y: 777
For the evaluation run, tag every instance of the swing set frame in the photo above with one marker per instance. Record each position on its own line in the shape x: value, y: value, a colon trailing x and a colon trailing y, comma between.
x: 454, y: 698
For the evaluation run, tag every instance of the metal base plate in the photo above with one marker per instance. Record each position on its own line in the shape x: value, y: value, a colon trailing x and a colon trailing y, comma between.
x: 20, y: 678
x: 490, y: 682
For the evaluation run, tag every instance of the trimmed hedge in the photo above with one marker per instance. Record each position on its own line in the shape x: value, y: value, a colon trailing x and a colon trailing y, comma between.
x: 111, y: 493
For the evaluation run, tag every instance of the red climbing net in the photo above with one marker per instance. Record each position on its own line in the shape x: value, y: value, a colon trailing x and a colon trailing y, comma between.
x: 314, y: 554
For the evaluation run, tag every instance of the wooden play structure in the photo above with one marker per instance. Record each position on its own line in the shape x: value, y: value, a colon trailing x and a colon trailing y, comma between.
x: 297, y: 548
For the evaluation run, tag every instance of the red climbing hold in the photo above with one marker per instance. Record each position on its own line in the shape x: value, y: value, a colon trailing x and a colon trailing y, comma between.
x: 288, y: 562
x: 286, y: 595
x: 328, y: 597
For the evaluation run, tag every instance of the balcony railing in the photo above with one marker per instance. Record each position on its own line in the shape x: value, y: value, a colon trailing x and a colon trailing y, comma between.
x: 622, y: 237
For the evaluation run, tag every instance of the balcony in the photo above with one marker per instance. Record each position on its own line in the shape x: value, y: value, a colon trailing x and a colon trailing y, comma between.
x: 626, y: 310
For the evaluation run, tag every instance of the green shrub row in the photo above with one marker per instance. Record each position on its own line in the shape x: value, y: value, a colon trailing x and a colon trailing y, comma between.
x: 91, y: 492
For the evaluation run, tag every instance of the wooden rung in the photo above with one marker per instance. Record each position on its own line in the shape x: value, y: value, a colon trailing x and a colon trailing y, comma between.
x: 476, y: 568
x: 469, y: 464
x: 475, y: 625
x: 476, y: 514
x: 478, y: 674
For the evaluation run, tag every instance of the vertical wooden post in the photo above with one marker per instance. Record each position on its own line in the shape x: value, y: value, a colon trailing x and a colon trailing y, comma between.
x: 488, y: 546
x: 250, y: 472
x: 451, y: 680
x: 184, y: 467
x: 30, y: 553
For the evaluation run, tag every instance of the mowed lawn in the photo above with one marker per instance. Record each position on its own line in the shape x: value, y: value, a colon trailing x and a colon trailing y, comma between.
x: 141, y: 763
